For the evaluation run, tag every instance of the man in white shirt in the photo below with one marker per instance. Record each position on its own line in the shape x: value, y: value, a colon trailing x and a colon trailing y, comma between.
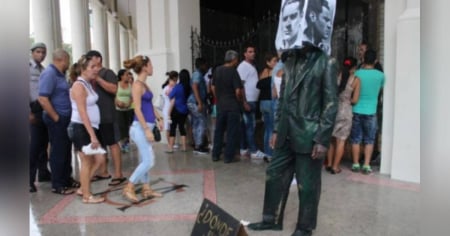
x: 249, y: 77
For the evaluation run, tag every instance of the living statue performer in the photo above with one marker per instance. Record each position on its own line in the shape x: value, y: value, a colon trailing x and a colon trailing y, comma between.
x: 303, y: 125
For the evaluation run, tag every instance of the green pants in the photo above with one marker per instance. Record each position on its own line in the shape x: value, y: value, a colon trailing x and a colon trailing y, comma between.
x: 279, y: 175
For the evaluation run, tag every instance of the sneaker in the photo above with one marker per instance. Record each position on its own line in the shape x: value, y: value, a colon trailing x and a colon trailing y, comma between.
x: 356, y: 167
x: 366, y: 169
x: 201, y: 151
x: 176, y: 146
x: 257, y: 155
x: 243, y: 152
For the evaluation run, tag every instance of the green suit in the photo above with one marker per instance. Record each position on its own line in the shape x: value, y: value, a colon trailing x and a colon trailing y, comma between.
x: 305, y: 117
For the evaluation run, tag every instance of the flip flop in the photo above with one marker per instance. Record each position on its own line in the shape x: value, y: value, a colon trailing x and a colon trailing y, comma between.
x: 63, y: 191
x: 117, y: 181
x: 98, y: 178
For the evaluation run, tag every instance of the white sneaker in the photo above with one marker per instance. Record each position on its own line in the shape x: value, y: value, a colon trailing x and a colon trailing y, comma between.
x: 176, y: 146
x: 257, y: 155
x: 243, y: 152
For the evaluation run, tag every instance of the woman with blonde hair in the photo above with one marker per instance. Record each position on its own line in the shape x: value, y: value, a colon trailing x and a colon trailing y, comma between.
x: 145, y: 118
x: 84, y: 124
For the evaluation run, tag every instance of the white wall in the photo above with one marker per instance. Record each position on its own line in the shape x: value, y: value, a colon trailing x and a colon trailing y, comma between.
x: 401, y: 106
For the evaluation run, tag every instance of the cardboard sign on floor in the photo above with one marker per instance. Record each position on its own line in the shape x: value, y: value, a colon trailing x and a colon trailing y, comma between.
x: 213, y: 220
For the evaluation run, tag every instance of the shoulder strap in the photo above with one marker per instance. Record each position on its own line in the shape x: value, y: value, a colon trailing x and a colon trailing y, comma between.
x: 86, y: 85
x: 145, y: 85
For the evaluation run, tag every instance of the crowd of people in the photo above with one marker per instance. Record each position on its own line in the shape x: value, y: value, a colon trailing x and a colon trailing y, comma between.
x: 100, y: 110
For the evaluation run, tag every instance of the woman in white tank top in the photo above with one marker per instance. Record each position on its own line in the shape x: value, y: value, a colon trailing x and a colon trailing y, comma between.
x: 85, y: 121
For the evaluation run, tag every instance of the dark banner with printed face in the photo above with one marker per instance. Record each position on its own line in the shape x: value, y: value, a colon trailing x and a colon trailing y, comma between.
x: 305, y: 21
x: 214, y: 221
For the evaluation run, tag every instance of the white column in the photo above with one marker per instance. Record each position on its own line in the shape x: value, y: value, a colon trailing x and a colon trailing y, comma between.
x: 100, y: 30
x: 392, y: 10
x: 143, y: 25
x: 131, y: 43
x: 113, y: 41
x: 401, y: 113
x: 187, y: 14
x: 79, y: 18
x: 406, y: 140
x: 124, y: 45
x: 47, y: 25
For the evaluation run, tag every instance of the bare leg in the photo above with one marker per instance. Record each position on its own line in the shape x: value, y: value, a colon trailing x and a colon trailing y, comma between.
x: 103, y: 168
x: 330, y: 153
x: 168, y: 136
x: 355, y: 153
x: 368, y: 150
x: 339, y: 152
x: 171, y: 142
x: 117, y: 160
x: 99, y: 160
x: 85, y: 171
x: 183, y: 143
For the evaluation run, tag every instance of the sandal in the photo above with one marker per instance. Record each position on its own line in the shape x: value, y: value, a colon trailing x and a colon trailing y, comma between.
x: 129, y: 194
x: 117, y: 181
x: 93, y: 200
x: 99, y: 177
x: 74, y: 184
x: 328, y: 168
x: 147, y: 192
x: 63, y: 191
x: 333, y: 171
x: 79, y: 192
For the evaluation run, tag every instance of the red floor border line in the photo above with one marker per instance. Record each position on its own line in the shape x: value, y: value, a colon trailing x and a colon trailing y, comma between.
x: 209, y: 191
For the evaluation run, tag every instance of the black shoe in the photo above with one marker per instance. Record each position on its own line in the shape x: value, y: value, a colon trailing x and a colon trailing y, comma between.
x: 264, y: 226
x: 215, y: 158
x: 32, y: 188
x: 201, y: 150
x: 227, y: 161
x: 300, y: 232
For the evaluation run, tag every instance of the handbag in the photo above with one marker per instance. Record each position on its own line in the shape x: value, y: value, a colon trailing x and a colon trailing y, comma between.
x: 156, y: 134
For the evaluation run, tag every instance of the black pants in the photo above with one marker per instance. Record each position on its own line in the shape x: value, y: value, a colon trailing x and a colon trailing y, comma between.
x: 60, y: 151
x: 38, y: 148
x: 229, y: 121
x: 178, y: 120
x: 279, y: 175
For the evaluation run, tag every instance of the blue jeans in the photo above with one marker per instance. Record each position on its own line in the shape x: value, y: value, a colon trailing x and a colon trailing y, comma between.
x: 146, y: 154
x: 198, y: 123
x: 248, y: 127
x: 364, y: 127
x: 230, y: 121
x: 60, y: 151
x: 266, y: 107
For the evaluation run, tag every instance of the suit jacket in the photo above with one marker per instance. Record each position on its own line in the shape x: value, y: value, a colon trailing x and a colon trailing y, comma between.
x: 308, y: 102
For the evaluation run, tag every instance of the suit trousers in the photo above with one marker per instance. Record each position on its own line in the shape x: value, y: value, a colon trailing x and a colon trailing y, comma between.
x: 285, y: 163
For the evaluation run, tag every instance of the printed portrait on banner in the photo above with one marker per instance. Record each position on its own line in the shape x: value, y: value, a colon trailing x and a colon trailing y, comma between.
x: 303, y: 21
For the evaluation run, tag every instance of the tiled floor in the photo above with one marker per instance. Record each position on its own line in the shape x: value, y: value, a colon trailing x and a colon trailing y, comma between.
x: 351, y: 203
